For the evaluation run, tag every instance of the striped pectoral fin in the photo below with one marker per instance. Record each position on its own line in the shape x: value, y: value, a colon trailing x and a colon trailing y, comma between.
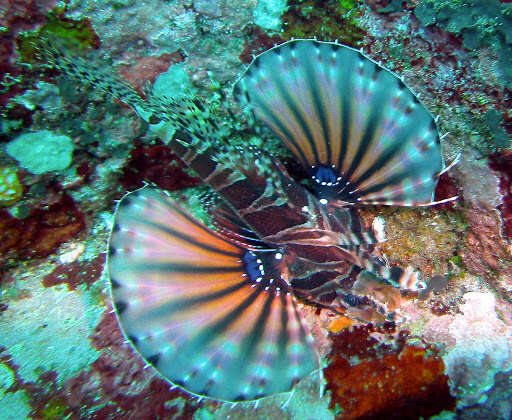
x: 360, y: 132
x: 210, y: 316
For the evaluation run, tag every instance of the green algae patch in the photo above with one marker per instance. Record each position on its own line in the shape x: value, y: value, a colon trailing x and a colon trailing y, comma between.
x: 422, y: 238
x: 327, y: 21
x: 56, y: 408
x: 49, y: 331
x: 78, y: 35
x: 347, y: 4
x: 11, y: 189
x: 41, y: 151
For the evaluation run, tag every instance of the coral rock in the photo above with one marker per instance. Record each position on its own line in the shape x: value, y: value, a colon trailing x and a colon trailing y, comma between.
x: 502, y: 163
x: 485, y: 252
x: 42, y: 231
x: 405, y: 385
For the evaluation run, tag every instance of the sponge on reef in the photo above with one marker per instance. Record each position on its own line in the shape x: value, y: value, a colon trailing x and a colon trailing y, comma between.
x: 41, y: 151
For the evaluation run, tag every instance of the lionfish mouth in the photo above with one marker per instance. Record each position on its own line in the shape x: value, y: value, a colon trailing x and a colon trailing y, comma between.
x: 212, y: 311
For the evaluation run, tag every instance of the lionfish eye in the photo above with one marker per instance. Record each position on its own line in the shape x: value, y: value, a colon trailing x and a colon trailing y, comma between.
x: 325, y: 175
x: 253, y: 266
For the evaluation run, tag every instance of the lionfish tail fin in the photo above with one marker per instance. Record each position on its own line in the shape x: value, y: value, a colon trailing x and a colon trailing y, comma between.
x: 50, y: 52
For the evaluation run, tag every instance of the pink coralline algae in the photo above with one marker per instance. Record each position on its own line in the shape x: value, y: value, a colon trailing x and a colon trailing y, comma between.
x: 477, y: 346
x: 485, y: 253
x: 147, y: 69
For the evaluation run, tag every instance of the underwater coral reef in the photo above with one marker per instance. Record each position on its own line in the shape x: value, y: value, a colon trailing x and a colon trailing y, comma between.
x: 203, y: 218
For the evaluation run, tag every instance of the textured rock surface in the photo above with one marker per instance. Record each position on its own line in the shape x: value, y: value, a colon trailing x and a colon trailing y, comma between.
x: 62, y: 353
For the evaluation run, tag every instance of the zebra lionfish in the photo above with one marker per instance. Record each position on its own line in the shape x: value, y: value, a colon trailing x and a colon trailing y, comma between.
x: 215, y: 311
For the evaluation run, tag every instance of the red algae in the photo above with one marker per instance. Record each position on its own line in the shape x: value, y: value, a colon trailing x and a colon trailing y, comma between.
x: 42, y: 231
x: 447, y: 188
x: 257, y: 42
x: 76, y: 273
x: 369, y: 379
x: 158, y: 165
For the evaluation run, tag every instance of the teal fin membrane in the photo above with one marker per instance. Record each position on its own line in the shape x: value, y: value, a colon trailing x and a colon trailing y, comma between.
x: 357, y: 129
x: 210, y: 316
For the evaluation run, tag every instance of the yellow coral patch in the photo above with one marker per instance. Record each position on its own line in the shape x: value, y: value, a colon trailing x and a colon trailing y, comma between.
x: 11, y: 189
x: 339, y: 324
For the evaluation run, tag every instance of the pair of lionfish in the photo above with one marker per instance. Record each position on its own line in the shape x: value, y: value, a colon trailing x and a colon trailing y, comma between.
x: 215, y: 312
